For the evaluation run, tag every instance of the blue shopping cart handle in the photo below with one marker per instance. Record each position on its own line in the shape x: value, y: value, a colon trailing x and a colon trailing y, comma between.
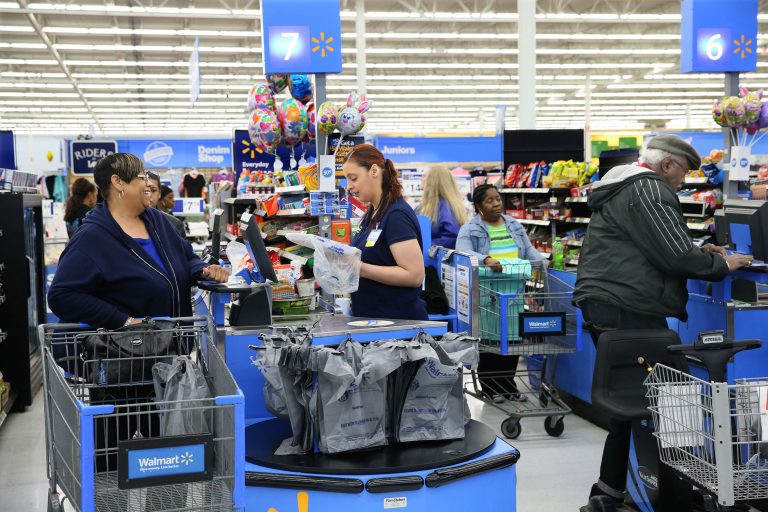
x: 88, y: 326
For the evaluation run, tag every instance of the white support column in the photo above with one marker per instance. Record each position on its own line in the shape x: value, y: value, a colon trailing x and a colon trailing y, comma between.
x: 588, y: 120
x: 526, y: 59
x: 360, y: 46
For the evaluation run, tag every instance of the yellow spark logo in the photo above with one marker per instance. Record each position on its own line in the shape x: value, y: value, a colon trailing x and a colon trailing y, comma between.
x: 302, y: 501
x: 742, y: 46
x: 250, y: 148
x: 322, y: 44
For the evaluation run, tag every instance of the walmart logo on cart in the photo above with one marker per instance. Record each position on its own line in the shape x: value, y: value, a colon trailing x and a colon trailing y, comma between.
x: 163, y: 463
x: 172, y: 460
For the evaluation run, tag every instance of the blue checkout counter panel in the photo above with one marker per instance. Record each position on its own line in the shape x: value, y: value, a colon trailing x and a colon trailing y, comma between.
x: 710, y: 308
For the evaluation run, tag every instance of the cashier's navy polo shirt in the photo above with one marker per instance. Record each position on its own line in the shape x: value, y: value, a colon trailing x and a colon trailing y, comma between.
x: 378, y: 300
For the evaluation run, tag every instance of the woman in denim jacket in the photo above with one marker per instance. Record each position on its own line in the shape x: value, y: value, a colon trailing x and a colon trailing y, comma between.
x: 494, y: 237
x: 475, y: 237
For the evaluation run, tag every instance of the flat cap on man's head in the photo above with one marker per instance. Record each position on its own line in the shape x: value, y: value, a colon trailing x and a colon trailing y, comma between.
x: 675, y: 145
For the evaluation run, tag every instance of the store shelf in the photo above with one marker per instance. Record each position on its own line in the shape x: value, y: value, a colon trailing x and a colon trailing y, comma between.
x: 696, y: 215
x: 572, y: 262
x: 295, y: 212
x: 690, y: 200
x: 575, y: 220
x: 573, y: 243
x: 696, y: 181
x: 524, y: 190
x: 547, y: 255
x: 289, y: 255
x: 242, y: 200
x: 8, y: 405
x: 698, y: 226
x: 293, y: 189
x: 576, y: 199
x: 533, y: 222
x: 188, y: 214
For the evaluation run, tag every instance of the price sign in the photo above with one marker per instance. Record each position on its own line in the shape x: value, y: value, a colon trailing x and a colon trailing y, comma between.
x: 301, y: 36
x: 714, y: 40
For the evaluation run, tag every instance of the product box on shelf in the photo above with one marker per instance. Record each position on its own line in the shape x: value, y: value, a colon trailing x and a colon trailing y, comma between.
x: 516, y: 214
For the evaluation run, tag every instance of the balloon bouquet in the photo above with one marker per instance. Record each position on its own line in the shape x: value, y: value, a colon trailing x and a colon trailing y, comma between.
x: 745, y: 115
x: 271, y: 123
x: 292, y: 121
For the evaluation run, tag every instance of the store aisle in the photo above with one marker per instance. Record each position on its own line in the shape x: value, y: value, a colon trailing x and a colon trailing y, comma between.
x: 23, y: 483
x: 554, y: 475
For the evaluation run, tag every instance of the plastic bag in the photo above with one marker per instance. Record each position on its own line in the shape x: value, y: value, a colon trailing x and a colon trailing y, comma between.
x: 298, y: 383
x: 337, y: 265
x: 267, y: 363
x: 181, y: 388
x: 434, y: 407
x: 351, y: 405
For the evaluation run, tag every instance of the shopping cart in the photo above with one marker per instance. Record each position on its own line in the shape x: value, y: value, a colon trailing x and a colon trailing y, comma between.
x: 524, y: 311
x: 713, y: 434
x: 97, y: 404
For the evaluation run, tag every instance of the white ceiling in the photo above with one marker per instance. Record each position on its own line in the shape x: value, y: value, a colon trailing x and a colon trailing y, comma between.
x: 120, y: 66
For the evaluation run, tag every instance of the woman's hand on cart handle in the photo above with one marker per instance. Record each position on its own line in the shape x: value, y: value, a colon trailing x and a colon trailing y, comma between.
x: 129, y: 321
x: 216, y: 273
x: 493, y: 263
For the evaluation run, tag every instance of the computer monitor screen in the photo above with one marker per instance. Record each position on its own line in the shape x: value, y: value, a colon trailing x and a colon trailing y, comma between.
x: 216, y: 233
x: 258, y: 251
x: 743, y: 227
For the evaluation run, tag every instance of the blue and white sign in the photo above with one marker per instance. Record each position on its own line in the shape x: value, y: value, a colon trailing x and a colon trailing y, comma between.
x: 542, y: 324
x: 166, y: 461
x: 718, y: 37
x: 166, y: 153
x: 440, y: 149
x: 86, y: 153
x: 301, y: 36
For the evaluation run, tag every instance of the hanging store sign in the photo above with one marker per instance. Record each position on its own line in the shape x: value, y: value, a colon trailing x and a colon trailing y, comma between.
x: 87, y: 153
x: 301, y: 36
x: 716, y: 41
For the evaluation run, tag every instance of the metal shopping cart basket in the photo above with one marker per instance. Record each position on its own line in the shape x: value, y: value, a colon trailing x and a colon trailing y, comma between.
x: 104, y: 428
x: 524, y: 311
x: 713, y: 434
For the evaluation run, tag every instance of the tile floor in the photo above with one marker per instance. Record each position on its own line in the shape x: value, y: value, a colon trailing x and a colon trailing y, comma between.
x: 554, y: 474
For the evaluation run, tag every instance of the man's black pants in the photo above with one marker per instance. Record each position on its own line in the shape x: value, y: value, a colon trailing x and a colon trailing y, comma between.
x: 601, y: 317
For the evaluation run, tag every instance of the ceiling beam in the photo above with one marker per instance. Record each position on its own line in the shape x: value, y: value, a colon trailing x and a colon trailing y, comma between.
x: 57, y: 56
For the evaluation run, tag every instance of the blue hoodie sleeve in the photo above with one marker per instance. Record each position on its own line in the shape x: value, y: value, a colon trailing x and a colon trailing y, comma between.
x: 446, y: 229
x: 72, y: 296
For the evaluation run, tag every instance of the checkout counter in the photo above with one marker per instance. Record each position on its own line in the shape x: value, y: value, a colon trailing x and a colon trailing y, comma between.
x: 737, y: 305
x: 474, y: 473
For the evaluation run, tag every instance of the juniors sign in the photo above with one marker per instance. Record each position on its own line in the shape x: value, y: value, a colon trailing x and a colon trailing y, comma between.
x: 86, y: 153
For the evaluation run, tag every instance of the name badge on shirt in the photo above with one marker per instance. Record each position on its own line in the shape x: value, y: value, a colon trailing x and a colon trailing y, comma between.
x: 373, y: 237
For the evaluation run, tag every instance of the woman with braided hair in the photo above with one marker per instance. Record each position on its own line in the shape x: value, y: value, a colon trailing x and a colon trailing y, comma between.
x: 494, y: 237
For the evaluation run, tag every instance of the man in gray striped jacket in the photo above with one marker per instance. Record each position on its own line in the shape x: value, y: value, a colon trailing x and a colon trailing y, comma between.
x: 635, y: 262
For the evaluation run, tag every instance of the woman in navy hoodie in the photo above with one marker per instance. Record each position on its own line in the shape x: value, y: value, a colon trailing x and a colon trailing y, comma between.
x: 126, y: 262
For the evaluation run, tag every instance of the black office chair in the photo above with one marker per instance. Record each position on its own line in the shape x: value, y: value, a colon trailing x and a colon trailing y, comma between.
x: 623, y: 361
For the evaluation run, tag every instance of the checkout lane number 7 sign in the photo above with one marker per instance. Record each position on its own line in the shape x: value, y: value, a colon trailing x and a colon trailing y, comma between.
x: 301, y: 36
